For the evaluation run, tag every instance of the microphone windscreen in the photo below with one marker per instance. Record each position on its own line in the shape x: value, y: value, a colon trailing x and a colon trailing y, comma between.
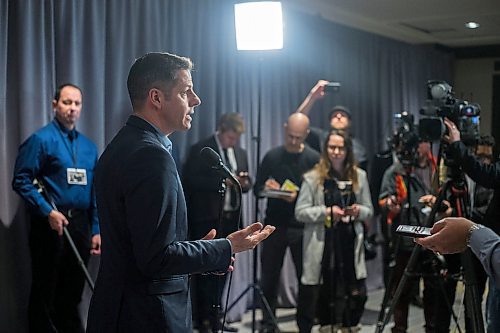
x: 210, y: 157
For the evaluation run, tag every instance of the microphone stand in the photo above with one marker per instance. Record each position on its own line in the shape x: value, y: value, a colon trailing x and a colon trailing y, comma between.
x: 216, y: 302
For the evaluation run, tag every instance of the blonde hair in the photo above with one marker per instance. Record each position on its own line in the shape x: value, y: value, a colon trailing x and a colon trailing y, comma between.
x: 324, y: 166
x: 232, y: 121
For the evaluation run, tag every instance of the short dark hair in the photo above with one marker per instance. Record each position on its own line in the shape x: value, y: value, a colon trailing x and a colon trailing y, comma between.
x: 232, y: 121
x: 486, y: 140
x: 152, y: 69
x: 57, y: 94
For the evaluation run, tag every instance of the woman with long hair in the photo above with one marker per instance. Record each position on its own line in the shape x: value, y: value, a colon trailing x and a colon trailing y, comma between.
x: 333, y: 202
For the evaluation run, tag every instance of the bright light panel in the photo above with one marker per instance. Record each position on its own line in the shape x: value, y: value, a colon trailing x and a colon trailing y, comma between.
x: 259, y: 25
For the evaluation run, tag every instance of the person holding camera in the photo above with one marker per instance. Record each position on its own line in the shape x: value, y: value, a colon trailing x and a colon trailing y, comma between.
x: 405, y: 199
x: 340, y: 118
x: 488, y: 176
x: 480, y: 197
x: 333, y: 202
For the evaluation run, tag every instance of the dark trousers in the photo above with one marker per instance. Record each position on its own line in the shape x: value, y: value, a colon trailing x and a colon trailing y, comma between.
x: 342, y: 297
x: 439, y: 292
x: 273, y: 253
x: 306, y: 309
x: 58, y: 280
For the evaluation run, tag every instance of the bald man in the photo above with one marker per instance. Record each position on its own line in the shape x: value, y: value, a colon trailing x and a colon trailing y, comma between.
x: 283, y: 166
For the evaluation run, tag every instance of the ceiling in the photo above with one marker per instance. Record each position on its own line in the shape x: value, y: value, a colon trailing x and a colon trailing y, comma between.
x: 415, y: 21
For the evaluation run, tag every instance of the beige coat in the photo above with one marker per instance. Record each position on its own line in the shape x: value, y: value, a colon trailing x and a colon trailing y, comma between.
x: 311, y: 210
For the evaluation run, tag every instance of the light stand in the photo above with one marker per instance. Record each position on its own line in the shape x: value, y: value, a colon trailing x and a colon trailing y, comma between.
x: 267, y: 34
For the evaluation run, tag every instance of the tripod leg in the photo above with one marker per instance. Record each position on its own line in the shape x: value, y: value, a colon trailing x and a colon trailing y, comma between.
x: 260, y: 294
x: 430, y: 292
x: 240, y: 296
x: 399, y: 290
x: 390, y: 280
x: 473, y: 298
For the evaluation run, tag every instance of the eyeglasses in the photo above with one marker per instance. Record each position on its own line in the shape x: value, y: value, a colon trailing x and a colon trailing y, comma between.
x: 340, y: 148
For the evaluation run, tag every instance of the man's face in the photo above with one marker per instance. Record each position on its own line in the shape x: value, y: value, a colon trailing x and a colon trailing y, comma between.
x: 339, y: 120
x: 294, y: 137
x: 68, y: 107
x: 228, y: 138
x: 484, y: 153
x: 176, y: 112
x: 423, y: 149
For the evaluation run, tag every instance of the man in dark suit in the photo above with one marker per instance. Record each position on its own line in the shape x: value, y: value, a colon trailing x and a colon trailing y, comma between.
x: 204, y: 191
x: 142, y: 284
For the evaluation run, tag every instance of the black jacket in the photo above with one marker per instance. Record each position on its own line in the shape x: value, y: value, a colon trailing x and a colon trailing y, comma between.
x: 487, y: 175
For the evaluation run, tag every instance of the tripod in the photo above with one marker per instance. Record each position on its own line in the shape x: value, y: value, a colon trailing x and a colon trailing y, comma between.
x: 458, y: 191
x: 254, y: 286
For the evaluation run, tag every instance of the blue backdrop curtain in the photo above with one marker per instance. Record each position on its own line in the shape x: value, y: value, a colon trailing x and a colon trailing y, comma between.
x: 92, y: 43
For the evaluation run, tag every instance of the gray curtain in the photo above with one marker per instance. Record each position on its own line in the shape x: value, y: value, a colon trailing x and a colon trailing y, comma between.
x: 92, y: 43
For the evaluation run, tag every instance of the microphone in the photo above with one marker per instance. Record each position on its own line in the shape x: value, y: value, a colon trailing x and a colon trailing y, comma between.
x: 214, y: 161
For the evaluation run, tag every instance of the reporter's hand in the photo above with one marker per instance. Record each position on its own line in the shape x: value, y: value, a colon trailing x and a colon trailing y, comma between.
x: 392, y: 205
x: 352, y: 210
x: 449, y: 235
x: 291, y: 198
x: 249, y: 237
x: 428, y: 200
x: 244, y: 180
x: 338, y: 213
x: 57, y: 221
x: 318, y: 91
x: 272, y: 184
x: 453, y: 132
x: 95, y: 245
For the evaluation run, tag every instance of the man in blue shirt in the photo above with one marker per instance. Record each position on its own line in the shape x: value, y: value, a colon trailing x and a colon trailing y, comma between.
x: 63, y: 160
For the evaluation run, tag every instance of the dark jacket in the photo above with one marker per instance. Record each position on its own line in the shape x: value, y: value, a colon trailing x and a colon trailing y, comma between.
x: 202, y: 184
x: 487, y: 175
x: 142, y: 284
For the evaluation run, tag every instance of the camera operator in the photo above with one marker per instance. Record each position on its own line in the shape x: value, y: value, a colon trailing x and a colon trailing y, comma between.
x: 405, y: 199
x: 480, y: 198
x: 488, y: 176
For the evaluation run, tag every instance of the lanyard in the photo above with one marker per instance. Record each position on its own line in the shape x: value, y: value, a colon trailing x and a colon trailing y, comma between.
x: 72, y: 147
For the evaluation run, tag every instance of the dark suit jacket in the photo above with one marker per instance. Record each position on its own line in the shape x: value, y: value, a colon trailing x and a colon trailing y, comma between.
x: 142, y: 284
x: 202, y: 185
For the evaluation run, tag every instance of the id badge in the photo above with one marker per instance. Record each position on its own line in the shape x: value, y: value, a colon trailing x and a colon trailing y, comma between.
x: 76, y: 176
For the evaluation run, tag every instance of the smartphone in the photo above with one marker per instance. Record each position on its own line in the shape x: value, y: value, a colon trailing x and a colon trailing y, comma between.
x: 348, y: 209
x: 413, y: 231
x: 331, y: 87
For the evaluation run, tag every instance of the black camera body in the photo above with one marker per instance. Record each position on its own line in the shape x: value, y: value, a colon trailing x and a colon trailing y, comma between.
x: 405, y: 139
x: 441, y: 104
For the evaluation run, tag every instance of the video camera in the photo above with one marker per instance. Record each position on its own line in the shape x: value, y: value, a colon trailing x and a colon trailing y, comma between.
x: 441, y: 103
x: 405, y: 139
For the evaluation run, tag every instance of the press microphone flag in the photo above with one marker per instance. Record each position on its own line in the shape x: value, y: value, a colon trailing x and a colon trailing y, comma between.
x: 214, y: 161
